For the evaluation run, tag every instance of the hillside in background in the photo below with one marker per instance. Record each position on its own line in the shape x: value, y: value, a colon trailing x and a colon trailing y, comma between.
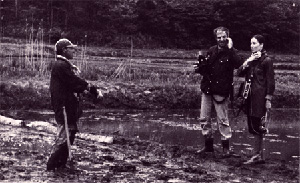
x: 153, y: 23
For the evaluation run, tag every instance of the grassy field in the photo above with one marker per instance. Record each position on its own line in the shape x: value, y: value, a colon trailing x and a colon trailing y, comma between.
x: 135, y: 78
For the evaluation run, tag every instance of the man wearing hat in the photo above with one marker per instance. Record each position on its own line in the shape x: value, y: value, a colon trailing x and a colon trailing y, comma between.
x: 65, y: 89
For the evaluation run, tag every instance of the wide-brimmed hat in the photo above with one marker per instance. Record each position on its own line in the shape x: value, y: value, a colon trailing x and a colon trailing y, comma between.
x: 63, y: 43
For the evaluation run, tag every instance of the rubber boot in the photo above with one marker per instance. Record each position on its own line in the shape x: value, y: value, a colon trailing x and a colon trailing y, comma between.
x: 55, y: 160
x: 62, y: 161
x: 52, y: 162
x: 257, y: 157
x: 208, y: 148
x: 58, y: 158
x: 226, y: 150
x: 258, y: 144
x: 262, y: 146
x: 260, y: 149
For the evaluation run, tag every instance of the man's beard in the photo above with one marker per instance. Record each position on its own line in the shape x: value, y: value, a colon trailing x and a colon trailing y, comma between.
x: 222, y: 44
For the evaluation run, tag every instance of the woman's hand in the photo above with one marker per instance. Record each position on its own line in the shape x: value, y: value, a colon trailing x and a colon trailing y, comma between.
x: 256, y: 55
x: 268, y: 104
x: 253, y: 56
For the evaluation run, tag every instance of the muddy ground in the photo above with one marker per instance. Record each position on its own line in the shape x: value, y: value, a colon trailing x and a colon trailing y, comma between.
x: 24, y: 150
x: 26, y: 147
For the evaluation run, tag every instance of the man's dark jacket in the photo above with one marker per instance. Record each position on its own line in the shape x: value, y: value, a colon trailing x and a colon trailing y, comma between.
x: 65, y: 86
x: 218, y: 71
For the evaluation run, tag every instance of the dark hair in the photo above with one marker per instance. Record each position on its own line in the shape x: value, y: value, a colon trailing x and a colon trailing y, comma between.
x: 259, y: 38
x: 221, y: 29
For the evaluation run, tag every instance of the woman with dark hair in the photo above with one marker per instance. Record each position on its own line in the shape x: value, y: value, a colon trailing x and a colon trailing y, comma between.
x: 259, y: 77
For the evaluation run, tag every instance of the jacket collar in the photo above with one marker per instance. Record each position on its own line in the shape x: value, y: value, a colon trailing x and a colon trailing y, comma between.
x: 263, y: 52
x: 67, y: 61
x: 62, y: 58
x: 216, y: 49
x: 219, y: 49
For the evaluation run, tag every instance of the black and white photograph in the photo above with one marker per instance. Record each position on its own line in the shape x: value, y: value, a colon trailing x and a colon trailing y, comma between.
x: 149, y: 91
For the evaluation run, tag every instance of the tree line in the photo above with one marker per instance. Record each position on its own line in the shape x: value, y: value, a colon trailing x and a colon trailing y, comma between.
x: 154, y: 23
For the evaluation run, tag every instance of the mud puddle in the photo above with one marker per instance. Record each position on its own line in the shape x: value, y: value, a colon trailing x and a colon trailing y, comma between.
x: 148, y: 146
x: 181, y: 127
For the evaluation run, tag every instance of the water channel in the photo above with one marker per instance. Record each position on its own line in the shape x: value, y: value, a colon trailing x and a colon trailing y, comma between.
x: 181, y: 127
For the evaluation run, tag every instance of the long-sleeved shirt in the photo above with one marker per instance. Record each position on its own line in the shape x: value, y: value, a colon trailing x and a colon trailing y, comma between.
x: 64, y: 84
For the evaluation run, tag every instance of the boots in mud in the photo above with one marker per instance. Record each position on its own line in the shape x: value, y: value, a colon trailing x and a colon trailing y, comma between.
x: 58, y: 159
x: 227, y: 153
x: 255, y: 159
x: 208, y: 149
x: 258, y: 157
x: 226, y: 150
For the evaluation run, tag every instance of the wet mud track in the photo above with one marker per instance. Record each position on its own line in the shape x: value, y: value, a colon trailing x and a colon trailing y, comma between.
x: 24, y: 153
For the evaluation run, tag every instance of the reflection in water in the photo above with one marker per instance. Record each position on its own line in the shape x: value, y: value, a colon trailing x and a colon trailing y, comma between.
x: 181, y: 127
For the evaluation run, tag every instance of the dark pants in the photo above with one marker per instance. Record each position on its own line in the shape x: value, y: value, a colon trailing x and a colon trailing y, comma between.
x: 73, y: 114
x: 254, y: 124
x: 60, y: 154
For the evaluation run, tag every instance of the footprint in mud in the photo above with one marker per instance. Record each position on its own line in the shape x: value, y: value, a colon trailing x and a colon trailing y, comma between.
x: 123, y: 168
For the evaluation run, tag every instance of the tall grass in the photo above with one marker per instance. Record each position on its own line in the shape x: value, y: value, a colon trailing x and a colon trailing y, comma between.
x: 137, y: 82
x: 29, y: 55
x: 34, y: 57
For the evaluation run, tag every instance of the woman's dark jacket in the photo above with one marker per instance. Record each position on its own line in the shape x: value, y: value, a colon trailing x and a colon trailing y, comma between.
x: 65, y: 87
x: 218, y: 71
x: 261, y: 74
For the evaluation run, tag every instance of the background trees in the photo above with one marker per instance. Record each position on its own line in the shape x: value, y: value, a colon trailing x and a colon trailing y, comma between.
x: 154, y: 23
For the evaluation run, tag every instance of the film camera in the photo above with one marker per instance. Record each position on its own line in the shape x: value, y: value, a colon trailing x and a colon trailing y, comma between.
x: 246, y: 89
x: 202, y: 59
